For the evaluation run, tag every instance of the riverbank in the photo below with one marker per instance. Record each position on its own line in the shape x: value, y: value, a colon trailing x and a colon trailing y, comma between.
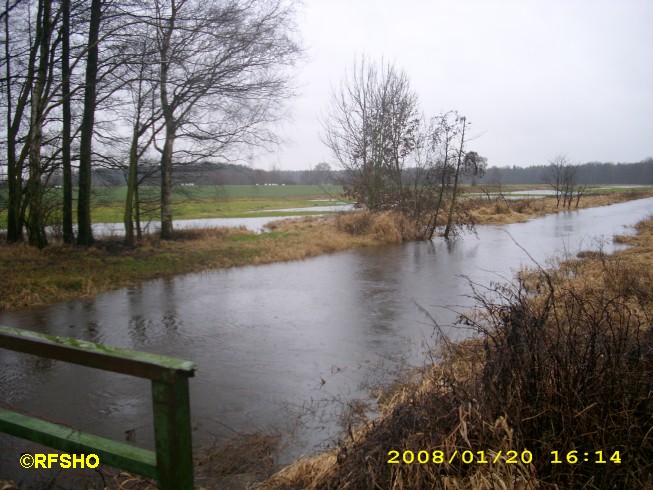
x: 553, y: 391
x: 499, y: 211
x: 58, y: 273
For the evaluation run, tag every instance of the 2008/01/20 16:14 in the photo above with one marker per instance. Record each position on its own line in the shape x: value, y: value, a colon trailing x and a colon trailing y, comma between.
x: 510, y: 457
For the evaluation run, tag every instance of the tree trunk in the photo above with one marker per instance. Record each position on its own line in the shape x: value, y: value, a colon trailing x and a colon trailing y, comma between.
x: 85, y: 232
x: 14, y: 169
x: 166, y: 183
x: 443, y: 182
x: 137, y: 212
x: 36, y: 216
x: 67, y: 209
x: 170, y: 131
x: 138, y: 129
x: 448, y: 228
x: 132, y: 176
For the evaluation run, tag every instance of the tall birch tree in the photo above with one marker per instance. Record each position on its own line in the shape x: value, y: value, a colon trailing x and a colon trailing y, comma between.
x: 223, y: 72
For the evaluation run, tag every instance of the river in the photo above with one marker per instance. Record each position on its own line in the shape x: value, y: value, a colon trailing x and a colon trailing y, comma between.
x: 280, y: 346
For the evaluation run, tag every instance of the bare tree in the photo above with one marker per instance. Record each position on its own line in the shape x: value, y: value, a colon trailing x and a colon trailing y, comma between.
x: 562, y: 177
x: 43, y: 45
x: 430, y: 176
x: 580, y: 191
x: 222, y: 76
x: 321, y: 174
x: 392, y: 158
x: 221, y: 71
x: 18, y: 82
x: 568, y: 184
x: 85, y: 232
x: 437, y: 165
x: 442, y: 135
x: 573, y: 189
x: 33, y: 81
x: 494, y: 187
x: 144, y: 116
x: 38, y: 101
x: 555, y: 176
x: 471, y: 164
x: 371, y: 130
x: 461, y: 121
x: 66, y: 130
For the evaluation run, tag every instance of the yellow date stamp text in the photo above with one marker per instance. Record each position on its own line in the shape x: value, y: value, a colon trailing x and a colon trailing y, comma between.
x: 499, y: 457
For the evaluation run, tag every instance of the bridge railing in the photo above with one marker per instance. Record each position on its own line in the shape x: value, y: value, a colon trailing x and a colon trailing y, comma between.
x: 172, y: 462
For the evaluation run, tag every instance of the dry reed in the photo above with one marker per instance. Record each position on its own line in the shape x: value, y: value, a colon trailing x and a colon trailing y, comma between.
x: 385, y: 226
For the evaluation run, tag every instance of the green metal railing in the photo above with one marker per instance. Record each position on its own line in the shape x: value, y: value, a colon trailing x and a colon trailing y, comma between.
x: 172, y: 462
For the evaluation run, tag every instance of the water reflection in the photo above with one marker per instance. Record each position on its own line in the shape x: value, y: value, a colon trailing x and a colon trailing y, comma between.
x: 264, y: 337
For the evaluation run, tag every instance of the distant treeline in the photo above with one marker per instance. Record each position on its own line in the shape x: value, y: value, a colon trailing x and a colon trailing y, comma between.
x: 215, y: 174
x: 588, y: 173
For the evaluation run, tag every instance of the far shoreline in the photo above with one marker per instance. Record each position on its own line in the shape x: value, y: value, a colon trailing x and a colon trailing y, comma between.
x: 63, y: 272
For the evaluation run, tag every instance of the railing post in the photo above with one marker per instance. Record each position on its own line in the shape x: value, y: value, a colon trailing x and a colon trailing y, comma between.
x: 172, y: 432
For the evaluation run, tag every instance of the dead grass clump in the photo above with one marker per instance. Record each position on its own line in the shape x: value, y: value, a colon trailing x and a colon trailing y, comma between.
x: 501, y: 207
x: 354, y: 223
x: 385, y: 226
x: 494, y: 212
x: 620, y: 239
x: 306, y: 473
x: 522, y: 206
x: 393, y: 227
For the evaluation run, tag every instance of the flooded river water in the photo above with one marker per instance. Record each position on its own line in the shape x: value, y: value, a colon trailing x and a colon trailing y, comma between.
x: 280, y: 346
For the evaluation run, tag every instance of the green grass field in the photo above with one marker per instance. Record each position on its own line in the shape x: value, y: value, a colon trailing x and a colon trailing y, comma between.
x: 234, y: 201
x: 208, y: 201
x: 226, y: 192
x: 211, y: 201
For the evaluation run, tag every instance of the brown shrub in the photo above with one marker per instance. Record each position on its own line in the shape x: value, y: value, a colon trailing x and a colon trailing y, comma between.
x: 391, y: 226
x: 356, y: 223
x: 386, y: 226
x: 569, y: 362
x: 522, y: 205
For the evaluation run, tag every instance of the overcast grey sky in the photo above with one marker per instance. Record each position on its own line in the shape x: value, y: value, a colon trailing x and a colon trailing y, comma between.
x: 535, y: 78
